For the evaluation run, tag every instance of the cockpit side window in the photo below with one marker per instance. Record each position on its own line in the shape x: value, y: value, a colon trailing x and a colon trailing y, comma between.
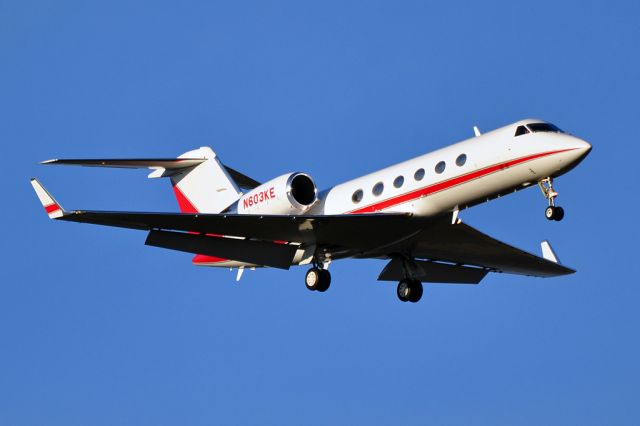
x: 543, y: 127
x: 521, y: 130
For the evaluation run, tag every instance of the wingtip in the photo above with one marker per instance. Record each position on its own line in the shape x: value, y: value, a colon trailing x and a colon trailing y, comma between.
x: 53, y: 209
x: 51, y: 161
x: 548, y: 252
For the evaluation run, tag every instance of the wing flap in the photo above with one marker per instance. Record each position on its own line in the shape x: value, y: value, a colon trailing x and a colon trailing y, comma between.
x: 255, y: 252
x: 431, y: 272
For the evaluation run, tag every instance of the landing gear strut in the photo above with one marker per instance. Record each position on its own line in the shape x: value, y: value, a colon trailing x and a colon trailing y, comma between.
x: 552, y: 212
x: 317, y: 279
x: 409, y: 290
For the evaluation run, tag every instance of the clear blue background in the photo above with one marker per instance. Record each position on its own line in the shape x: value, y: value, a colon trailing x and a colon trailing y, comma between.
x: 96, y: 328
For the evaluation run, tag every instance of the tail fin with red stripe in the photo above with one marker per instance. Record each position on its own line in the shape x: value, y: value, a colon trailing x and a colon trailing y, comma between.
x: 206, y: 187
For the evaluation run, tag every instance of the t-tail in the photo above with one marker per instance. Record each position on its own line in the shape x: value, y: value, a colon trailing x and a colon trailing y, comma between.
x: 201, y: 183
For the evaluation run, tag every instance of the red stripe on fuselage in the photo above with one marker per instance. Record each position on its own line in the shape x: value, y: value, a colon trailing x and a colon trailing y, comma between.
x: 446, y: 184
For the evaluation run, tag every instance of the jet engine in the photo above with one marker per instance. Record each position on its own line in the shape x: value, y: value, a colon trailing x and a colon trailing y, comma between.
x: 293, y: 193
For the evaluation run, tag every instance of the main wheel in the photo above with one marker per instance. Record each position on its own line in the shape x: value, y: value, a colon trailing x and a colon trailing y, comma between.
x: 313, y: 279
x: 325, y: 280
x: 558, y: 214
x: 409, y: 290
x: 550, y: 213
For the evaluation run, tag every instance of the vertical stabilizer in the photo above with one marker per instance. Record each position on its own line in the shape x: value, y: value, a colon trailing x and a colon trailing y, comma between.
x: 206, y: 187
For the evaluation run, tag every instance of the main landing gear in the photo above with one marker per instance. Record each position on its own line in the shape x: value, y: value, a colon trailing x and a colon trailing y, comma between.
x: 552, y: 212
x: 409, y: 290
x: 317, y: 279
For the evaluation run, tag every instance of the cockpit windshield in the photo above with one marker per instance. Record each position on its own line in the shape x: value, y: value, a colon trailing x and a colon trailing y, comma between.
x: 537, y: 127
x: 543, y: 127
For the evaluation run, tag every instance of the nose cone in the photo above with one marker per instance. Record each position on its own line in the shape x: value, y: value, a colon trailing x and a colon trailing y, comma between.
x: 577, y: 150
x: 582, y: 149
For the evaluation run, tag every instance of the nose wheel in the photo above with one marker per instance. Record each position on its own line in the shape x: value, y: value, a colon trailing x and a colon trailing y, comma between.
x: 409, y: 290
x: 317, y: 279
x: 552, y: 212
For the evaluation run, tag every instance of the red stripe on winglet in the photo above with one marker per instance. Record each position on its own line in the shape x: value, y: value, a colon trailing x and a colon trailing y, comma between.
x: 183, y: 202
x: 51, y: 208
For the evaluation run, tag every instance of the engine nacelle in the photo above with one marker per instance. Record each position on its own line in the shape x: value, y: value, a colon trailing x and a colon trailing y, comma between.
x: 293, y: 193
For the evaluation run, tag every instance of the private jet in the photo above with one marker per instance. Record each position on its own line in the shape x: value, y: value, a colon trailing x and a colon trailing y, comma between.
x: 407, y: 214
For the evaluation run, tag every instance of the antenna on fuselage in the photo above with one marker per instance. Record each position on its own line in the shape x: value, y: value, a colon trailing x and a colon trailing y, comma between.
x: 476, y: 131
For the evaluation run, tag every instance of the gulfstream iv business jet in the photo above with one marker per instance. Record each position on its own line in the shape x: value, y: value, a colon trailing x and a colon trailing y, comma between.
x: 407, y: 214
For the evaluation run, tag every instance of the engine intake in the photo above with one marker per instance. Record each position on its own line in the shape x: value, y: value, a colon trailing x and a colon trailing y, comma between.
x: 302, y: 189
x: 292, y: 193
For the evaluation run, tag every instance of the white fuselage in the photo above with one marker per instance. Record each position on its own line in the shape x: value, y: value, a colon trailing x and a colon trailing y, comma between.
x: 495, y: 163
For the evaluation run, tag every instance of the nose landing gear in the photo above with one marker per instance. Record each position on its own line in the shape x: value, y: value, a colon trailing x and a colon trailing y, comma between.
x: 552, y: 212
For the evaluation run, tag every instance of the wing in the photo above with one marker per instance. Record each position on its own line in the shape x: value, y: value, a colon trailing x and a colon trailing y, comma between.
x: 332, y: 230
x: 461, y: 244
x: 253, y: 239
x: 257, y: 239
x: 340, y: 233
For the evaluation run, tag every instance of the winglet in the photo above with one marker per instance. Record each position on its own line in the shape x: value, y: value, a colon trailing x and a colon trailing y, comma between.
x: 548, y: 253
x: 51, y: 206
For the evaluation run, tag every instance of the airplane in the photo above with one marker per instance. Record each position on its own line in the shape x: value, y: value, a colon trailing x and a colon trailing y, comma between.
x: 406, y: 214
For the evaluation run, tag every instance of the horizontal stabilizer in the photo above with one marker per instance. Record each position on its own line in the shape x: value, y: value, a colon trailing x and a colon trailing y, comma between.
x: 132, y: 163
x: 163, y: 166
x: 254, y: 252
x: 431, y: 272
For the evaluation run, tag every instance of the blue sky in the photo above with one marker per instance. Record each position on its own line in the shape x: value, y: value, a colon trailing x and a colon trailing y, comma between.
x: 98, y: 329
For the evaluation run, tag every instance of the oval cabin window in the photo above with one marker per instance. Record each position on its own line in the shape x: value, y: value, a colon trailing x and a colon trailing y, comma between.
x: 378, y: 188
x: 357, y: 196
